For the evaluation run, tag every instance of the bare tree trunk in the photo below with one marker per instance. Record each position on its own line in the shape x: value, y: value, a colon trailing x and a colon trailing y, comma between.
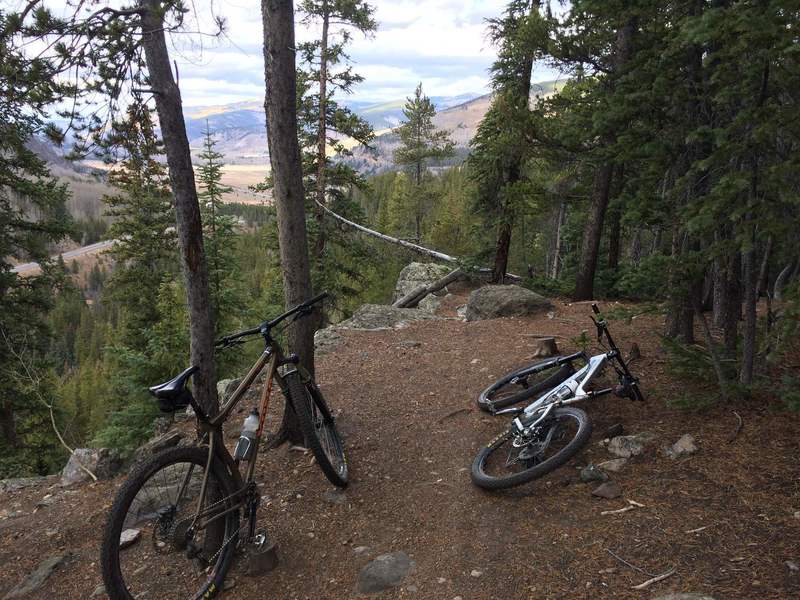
x: 615, y: 218
x: 8, y: 424
x: 187, y: 208
x: 584, y: 284
x: 763, y: 272
x: 322, y: 138
x: 562, y: 213
x: 750, y: 300
x: 501, y: 253
x: 284, y: 156
x: 636, y: 247
x: 781, y: 279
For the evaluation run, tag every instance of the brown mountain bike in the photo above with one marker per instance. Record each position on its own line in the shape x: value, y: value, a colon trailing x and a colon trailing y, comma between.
x: 175, y: 524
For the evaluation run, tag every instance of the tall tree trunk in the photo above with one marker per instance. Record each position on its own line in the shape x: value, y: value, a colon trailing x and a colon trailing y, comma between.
x: 501, y: 253
x: 322, y: 138
x: 749, y: 330
x: 763, y: 272
x: 187, y: 208
x: 601, y: 188
x: 635, y: 252
x: 284, y: 157
x: 562, y: 214
x: 615, y: 218
x: 584, y: 285
x: 8, y: 424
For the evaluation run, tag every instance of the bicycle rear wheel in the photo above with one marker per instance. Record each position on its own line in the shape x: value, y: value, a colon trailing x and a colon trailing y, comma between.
x: 319, y: 429
x: 512, y: 459
x: 524, y: 383
x: 149, y: 549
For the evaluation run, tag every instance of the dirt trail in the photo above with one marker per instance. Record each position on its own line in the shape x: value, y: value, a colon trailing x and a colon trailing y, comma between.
x: 412, y: 430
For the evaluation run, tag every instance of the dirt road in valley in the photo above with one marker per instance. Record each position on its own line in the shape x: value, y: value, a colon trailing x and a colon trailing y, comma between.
x: 32, y: 268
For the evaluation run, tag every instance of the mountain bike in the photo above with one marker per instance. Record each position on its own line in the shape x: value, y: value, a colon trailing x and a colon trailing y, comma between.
x: 548, y: 432
x: 175, y: 525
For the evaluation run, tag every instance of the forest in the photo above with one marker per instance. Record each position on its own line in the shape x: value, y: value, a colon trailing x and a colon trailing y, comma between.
x: 663, y: 169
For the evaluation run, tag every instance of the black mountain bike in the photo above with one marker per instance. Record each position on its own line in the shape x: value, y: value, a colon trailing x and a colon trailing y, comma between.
x: 548, y: 432
x: 175, y: 524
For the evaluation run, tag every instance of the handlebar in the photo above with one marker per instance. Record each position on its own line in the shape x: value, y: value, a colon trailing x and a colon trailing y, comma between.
x: 302, y: 308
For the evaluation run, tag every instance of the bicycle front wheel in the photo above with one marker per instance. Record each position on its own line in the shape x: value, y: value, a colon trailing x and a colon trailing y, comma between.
x: 512, y: 459
x: 318, y: 427
x: 153, y: 546
x: 525, y: 383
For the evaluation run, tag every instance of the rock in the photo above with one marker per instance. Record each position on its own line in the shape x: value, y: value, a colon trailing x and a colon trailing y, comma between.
x: 685, y: 446
x: 128, y: 538
x: 493, y: 301
x: 792, y: 566
x: 335, y: 497
x: 608, y: 490
x: 625, y: 446
x: 104, y: 463
x: 614, y: 465
x: 226, y: 387
x: 386, y: 571
x: 99, y: 591
x: 20, y: 483
x: 461, y: 311
x: 591, y: 473
x: 326, y: 339
x: 476, y: 573
x: 635, y: 352
x: 544, y: 347
x: 441, y: 580
x: 360, y: 549
x: 36, y: 580
x: 615, y: 430
x: 378, y: 316
x: 684, y: 596
x: 417, y: 274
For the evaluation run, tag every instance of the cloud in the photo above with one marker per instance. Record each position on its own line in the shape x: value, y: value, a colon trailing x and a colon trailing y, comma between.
x: 441, y: 43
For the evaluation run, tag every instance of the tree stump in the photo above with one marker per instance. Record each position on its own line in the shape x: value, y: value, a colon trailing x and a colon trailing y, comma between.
x: 544, y: 347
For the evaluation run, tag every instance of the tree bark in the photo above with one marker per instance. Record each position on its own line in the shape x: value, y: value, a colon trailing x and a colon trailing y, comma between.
x: 763, y: 272
x: 615, y: 217
x: 284, y: 156
x: 322, y: 138
x: 501, y: 253
x: 750, y: 299
x: 8, y: 424
x: 415, y: 296
x: 187, y: 209
x: 556, y: 266
x: 584, y: 284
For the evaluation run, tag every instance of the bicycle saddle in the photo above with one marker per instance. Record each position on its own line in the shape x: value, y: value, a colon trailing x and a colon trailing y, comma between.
x: 174, y: 388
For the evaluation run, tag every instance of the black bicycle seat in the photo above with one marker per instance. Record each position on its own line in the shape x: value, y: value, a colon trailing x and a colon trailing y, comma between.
x: 175, y: 387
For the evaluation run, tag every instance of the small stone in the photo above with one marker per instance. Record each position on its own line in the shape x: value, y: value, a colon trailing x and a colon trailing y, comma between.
x: 476, y: 573
x: 335, y: 497
x: 100, y: 590
x: 474, y: 361
x: 441, y: 580
x: 615, y: 430
x: 797, y: 514
x: 685, y: 446
x: 386, y: 571
x: 614, y: 465
x: 684, y: 596
x: 36, y: 580
x: 229, y: 584
x: 128, y: 538
x: 360, y: 549
x: 457, y: 598
x: 409, y: 344
x: 590, y: 473
x: 625, y: 446
x: 793, y: 566
x: 608, y: 490
x: 412, y: 588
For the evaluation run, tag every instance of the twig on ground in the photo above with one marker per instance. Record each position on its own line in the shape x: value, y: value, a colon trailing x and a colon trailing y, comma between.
x: 625, y: 562
x: 632, y: 504
x: 698, y: 530
x: 738, y: 427
x: 653, y: 580
x: 453, y: 413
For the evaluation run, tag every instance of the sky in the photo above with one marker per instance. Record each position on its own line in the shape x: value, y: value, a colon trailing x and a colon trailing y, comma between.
x: 441, y: 43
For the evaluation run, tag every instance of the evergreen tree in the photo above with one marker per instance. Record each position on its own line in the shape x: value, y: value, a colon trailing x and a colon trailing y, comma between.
x: 421, y: 142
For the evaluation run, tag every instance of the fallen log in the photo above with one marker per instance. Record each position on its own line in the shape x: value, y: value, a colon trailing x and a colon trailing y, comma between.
x: 415, y: 296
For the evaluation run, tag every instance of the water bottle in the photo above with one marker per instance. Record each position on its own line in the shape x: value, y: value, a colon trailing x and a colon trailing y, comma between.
x: 247, y: 440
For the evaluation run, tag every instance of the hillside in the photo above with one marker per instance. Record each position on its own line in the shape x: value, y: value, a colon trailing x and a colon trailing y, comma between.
x: 726, y: 518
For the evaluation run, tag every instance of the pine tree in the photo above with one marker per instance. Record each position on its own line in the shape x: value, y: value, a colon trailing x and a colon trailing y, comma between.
x: 421, y: 142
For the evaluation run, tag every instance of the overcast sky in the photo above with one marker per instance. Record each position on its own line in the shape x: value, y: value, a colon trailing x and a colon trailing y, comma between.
x: 441, y: 43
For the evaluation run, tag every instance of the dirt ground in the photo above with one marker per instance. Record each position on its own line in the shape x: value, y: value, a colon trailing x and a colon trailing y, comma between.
x: 727, y: 519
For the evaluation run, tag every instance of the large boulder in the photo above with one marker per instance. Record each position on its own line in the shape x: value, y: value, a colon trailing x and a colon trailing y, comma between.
x: 104, y: 463
x: 493, y: 301
x: 417, y: 274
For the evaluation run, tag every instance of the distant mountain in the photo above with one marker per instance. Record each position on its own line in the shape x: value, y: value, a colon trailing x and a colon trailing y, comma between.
x: 239, y: 128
